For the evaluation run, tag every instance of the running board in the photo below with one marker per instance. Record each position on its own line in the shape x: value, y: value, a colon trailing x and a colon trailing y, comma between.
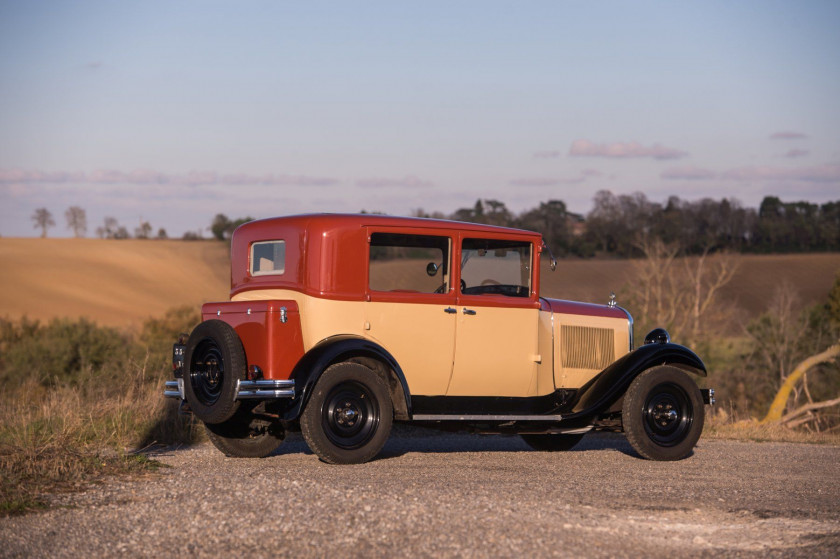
x: 485, y: 417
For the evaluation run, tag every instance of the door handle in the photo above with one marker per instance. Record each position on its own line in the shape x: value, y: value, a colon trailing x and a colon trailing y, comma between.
x: 449, y: 310
x: 469, y: 311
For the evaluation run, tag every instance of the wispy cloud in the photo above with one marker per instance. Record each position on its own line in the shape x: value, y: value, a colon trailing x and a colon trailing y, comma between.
x: 688, y: 173
x: 787, y: 135
x: 794, y: 153
x: 151, y: 177
x: 620, y: 150
x: 404, y: 182
x: 820, y: 173
x: 544, y: 181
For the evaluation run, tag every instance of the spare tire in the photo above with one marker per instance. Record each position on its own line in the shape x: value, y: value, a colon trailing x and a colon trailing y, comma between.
x: 214, y: 363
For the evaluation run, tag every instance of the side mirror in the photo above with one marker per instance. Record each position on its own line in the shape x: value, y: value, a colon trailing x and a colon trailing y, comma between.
x: 432, y: 269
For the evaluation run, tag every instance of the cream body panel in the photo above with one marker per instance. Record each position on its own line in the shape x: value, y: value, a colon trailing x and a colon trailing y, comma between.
x: 495, y: 352
x: 319, y: 318
x: 422, y: 340
x: 566, y: 376
x: 545, y: 366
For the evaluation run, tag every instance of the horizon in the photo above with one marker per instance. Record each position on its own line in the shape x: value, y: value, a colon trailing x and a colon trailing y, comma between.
x: 173, y: 113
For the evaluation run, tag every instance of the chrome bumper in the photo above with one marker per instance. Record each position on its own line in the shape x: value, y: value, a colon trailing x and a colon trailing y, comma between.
x: 245, y: 389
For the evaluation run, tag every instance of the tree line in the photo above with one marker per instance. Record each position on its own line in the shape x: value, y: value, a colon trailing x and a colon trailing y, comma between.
x: 616, y: 224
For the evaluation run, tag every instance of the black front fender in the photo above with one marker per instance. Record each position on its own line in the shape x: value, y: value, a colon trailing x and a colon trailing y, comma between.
x: 599, y: 394
x: 333, y: 350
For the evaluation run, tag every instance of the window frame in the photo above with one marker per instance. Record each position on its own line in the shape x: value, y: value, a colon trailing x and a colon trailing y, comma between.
x: 251, y: 251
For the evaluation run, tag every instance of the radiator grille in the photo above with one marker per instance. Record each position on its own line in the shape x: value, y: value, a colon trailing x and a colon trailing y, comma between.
x: 587, y: 348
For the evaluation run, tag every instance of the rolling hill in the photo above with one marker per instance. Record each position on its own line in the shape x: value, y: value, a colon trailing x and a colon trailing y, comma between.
x: 121, y: 283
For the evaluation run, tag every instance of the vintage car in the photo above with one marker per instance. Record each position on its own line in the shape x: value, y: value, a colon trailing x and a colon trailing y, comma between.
x: 339, y: 325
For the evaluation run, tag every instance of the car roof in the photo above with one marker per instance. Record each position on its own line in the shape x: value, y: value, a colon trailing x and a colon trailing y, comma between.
x: 327, y: 221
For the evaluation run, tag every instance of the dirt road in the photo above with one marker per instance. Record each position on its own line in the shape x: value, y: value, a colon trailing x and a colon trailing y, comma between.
x: 432, y: 495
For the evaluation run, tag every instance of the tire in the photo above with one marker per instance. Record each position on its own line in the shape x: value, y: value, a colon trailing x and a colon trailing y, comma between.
x: 246, y: 436
x: 663, y: 414
x: 349, y: 415
x: 215, y: 361
x: 552, y: 443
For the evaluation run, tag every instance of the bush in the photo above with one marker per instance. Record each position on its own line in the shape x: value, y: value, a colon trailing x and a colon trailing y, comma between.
x: 75, y: 398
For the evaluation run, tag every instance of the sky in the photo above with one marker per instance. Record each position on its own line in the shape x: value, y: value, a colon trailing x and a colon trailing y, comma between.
x: 171, y: 112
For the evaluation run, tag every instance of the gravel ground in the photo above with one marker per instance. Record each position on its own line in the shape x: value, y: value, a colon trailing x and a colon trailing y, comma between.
x: 433, y: 495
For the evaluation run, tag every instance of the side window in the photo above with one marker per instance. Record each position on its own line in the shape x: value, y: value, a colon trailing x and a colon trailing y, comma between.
x: 496, y: 267
x: 268, y: 258
x: 409, y: 263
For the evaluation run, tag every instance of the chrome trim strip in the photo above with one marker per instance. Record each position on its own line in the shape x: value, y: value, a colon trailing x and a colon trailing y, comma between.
x: 265, y: 389
x: 441, y: 417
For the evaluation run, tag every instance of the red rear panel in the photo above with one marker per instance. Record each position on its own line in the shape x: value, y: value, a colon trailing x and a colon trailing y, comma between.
x: 271, y: 344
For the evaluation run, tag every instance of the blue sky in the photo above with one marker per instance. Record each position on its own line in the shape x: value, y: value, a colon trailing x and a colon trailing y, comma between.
x: 172, y: 112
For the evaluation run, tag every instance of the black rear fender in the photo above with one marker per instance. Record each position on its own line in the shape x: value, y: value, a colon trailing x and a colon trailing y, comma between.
x: 337, y: 349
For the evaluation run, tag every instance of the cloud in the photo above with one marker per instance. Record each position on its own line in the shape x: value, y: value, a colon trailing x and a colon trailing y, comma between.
x: 585, y: 148
x: 787, y: 136
x: 151, y: 177
x: 544, y: 181
x: 819, y: 174
x: 405, y: 182
x: 794, y: 153
x: 21, y: 176
x: 688, y: 173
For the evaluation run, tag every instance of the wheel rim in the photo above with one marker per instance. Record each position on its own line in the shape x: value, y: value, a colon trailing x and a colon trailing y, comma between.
x: 350, y: 415
x: 668, y: 414
x: 207, y: 371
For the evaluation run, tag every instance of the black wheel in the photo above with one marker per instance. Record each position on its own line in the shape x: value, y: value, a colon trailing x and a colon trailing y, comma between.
x: 550, y: 442
x: 246, y: 435
x: 349, y: 415
x: 662, y: 414
x: 215, y: 361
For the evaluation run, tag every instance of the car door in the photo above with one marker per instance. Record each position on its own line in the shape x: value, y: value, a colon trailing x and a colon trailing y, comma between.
x: 496, y: 341
x: 411, y: 305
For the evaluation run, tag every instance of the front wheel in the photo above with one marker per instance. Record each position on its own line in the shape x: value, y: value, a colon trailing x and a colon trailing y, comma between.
x: 663, y: 414
x: 348, y: 418
x: 246, y: 435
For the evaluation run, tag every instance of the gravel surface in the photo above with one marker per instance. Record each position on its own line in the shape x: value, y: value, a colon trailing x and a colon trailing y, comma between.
x: 433, y: 495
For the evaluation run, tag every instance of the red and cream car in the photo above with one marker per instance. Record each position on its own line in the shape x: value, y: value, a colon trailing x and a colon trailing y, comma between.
x: 340, y: 325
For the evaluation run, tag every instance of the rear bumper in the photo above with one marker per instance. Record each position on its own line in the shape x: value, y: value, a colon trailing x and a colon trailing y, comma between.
x: 245, y: 389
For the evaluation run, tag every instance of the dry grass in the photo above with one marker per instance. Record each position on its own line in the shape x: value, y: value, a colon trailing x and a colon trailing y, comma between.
x: 65, y: 437
x: 720, y: 426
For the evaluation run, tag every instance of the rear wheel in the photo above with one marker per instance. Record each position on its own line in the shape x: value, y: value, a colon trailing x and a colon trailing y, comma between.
x: 349, y: 415
x: 550, y: 442
x: 663, y: 414
x: 215, y: 361
x: 246, y: 435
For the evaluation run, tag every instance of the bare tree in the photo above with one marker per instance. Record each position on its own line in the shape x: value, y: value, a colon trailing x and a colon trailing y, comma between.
x: 76, y: 220
x: 143, y: 231
x: 43, y: 220
x: 680, y: 294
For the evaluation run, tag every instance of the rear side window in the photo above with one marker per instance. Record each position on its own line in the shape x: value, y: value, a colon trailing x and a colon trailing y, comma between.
x: 268, y: 258
x: 409, y: 263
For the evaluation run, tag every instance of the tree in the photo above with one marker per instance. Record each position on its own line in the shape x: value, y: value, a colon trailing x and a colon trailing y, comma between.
x: 143, y: 231
x: 43, y: 220
x: 161, y: 234
x: 112, y: 230
x: 76, y: 220
x: 220, y: 226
